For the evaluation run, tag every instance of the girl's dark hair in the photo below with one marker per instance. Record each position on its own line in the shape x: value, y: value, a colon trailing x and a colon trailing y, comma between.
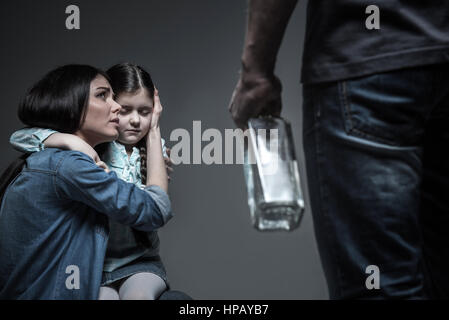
x: 59, y: 100
x: 130, y: 78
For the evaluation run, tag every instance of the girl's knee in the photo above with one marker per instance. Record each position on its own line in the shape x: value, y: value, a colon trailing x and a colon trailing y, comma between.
x: 142, y: 286
x: 108, y: 293
x: 138, y: 295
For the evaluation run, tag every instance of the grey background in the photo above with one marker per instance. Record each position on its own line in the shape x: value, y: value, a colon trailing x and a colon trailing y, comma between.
x: 192, y: 50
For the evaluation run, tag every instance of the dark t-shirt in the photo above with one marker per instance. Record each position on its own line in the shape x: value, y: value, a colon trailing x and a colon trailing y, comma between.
x: 339, y: 46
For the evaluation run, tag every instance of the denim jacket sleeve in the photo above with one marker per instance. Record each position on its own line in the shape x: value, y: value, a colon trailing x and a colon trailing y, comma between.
x: 30, y: 139
x: 80, y: 179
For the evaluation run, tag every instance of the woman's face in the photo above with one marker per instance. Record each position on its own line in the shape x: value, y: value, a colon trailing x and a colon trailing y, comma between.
x: 135, y: 116
x: 101, y: 121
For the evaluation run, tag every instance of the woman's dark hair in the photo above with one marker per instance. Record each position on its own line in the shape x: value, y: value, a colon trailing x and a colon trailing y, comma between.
x: 130, y: 78
x: 59, y: 100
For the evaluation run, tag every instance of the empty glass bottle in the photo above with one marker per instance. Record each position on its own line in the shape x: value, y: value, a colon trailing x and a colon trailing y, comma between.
x: 272, y: 176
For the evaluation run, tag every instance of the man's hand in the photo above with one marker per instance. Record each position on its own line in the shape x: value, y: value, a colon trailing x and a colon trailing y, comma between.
x: 258, y: 91
x: 255, y: 96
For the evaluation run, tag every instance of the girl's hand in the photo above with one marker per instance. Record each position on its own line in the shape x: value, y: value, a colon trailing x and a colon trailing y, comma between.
x: 77, y: 144
x: 71, y: 142
x: 103, y: 165
x: 156, y: 165
x: 157, y: 110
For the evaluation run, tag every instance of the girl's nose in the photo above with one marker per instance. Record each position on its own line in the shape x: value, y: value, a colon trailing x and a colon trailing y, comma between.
x: 134, y: 120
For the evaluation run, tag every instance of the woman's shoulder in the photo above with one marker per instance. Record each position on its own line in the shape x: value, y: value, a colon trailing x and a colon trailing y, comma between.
x: 52, y: 159
x: 71, y: 156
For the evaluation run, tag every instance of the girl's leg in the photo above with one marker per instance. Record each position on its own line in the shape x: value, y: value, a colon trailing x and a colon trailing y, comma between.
x: 108, y: 293
x: 142, y: 286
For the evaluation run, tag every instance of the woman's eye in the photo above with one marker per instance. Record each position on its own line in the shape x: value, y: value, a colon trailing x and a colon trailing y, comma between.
x: 101, y: 95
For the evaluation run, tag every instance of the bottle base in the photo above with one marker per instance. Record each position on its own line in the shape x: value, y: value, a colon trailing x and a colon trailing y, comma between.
x: 276, y: 216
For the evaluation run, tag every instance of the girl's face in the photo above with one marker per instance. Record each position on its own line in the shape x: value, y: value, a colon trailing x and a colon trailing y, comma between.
x: 135, y: 116
x: 101, y: 121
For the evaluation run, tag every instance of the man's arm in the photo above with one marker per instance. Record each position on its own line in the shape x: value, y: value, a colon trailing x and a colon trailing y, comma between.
x: 258, y: 90
x: 267, y: 21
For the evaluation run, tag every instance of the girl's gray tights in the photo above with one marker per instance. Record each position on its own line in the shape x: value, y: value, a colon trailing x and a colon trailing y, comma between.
x: 140, y: 286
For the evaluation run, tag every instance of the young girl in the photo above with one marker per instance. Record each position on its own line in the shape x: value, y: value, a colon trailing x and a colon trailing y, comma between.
x: 132, y: 266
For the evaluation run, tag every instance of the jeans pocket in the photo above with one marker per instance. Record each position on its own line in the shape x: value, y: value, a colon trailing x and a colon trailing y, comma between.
x: 383, y: 108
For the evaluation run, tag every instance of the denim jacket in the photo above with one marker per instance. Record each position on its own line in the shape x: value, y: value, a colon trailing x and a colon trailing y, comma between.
x: 53, y: 232
x: 123, y: 246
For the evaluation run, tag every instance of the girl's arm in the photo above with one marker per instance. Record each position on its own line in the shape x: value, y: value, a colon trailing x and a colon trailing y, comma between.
x: 30, y: 139
x: 37, y: 139
x: 156, y: 171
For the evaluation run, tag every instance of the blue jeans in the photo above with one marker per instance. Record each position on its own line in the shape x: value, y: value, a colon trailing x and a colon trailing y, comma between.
x: 378, y: 174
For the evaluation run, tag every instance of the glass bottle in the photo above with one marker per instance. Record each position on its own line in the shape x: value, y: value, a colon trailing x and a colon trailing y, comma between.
x: 272, y: 177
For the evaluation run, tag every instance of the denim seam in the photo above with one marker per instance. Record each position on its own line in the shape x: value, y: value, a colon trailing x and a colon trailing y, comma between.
x: 348, y: 119
x: 323, y: 204
x: 72, y: 260
x: 58, y: 279
x: 60, y: 163
x: 55, y: 182
x: 59, y: 266
x: 51, y: 172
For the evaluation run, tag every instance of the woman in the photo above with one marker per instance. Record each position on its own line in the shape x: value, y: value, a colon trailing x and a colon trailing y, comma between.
x: 132, y: 267
x: 53, y: 218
